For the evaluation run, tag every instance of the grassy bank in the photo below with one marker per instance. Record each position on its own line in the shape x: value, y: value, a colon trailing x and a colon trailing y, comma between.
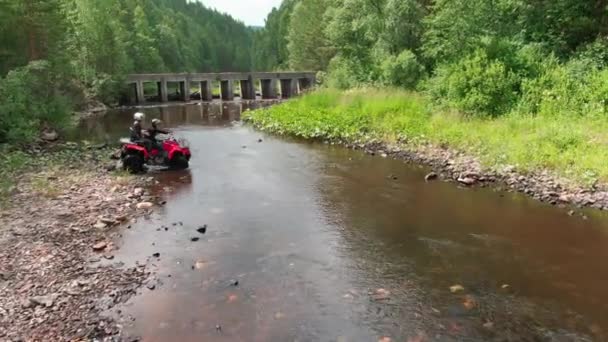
x: 573, y: 147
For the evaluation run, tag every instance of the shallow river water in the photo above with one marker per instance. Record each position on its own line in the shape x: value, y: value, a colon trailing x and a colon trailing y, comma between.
x: 329, y: 244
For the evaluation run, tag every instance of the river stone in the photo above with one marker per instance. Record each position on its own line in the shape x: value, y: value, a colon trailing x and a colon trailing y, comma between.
x: 144, y: 205
x: 431, y: 176
x: 100, y: 246
x: 50, y: 135
x: 99, y: 225
x: 47, y: 301
x: 467, y: 181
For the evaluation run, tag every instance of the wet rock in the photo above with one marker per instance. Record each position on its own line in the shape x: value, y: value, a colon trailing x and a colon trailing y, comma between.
x: 488, y: 325
x: 156, y: 255
x: 138, y: 192
x: 234, y: 283
x: 456, y: 288
x: 151, y: 286
x: 202, y: 229
x: 194, y: 239
x: 468, y: 181
x: 571, y: 213
x: 100, y: 246
x: 431, y: 176
x: 144, y: 205
x: 260, y: 140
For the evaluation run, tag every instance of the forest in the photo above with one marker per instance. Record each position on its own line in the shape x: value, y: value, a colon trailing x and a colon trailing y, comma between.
x: 480, y: 57
x: 512, y: 82
x: 83, y: 48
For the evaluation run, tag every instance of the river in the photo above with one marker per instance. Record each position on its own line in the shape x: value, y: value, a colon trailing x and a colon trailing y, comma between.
x: 329, y: 244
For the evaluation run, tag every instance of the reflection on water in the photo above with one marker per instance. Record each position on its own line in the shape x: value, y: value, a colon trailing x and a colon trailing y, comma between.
x: 116, y: 123
x: 326, y: 247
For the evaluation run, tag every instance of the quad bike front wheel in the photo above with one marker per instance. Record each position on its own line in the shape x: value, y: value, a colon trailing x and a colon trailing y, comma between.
x: 133, y: 163
x: 179, y: 162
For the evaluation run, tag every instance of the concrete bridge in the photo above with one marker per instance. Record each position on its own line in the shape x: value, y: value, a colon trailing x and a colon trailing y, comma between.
x: 271, y: 85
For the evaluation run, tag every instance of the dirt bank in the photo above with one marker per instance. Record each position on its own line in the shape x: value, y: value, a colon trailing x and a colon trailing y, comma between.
x: 56, y: 270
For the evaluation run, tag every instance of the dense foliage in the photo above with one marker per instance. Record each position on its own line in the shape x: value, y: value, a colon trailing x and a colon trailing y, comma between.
x: 480, y: 57
x: 84, y: 47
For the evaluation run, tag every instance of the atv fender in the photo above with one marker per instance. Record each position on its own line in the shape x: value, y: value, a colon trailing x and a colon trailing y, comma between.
x: 133, y: 148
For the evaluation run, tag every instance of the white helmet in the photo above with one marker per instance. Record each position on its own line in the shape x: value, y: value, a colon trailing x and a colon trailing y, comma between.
x: 139, y: 116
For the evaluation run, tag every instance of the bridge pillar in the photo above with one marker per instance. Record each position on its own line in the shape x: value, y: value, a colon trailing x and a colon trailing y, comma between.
x: 269, y: 88
x: 305, y: 83
x: 247, y: 89
x: 227, y: 90
x: 139, y: 91
x: 131, y: 94
x: 184, y: 90
x: 289, y: 88
x: 206, y: 91
x: 163, y: 93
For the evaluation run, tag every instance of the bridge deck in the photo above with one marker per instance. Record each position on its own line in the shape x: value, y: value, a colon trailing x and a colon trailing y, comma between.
x: 289, y: 83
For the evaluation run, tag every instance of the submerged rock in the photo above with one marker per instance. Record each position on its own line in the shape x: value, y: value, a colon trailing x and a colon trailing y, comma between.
x: 468, y: 181
x: 431, y: 176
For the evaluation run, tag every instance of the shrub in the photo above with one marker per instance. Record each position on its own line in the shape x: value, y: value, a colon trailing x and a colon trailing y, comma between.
x: 577, y: 88
x: 29, y: 101
x: 475, y: 85
x: 402, y: 70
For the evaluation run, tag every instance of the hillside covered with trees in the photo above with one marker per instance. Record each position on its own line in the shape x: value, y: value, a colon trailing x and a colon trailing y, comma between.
x: 512, y: 82
x: 84, y: 47
x: 482, y: 57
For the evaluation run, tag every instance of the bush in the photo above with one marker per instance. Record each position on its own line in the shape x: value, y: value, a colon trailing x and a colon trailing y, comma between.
x: 345, y: 73
x: 577, y: 88
x: 476, y: 85
x: 106, y: 88
x: 29, y: 101
x: 402, y: 70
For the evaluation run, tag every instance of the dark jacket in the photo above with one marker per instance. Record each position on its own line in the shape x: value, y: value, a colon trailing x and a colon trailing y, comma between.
x: 154, y: 131
x: 136, y: 131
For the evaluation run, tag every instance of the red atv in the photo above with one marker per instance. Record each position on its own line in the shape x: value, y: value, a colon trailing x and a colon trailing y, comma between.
x: 174, y: 155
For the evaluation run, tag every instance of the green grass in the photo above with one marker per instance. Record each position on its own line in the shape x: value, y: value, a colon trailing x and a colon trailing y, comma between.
x: 573, y: 147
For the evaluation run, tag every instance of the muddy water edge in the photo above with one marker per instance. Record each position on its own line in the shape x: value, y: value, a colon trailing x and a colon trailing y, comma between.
x: 271, y: 239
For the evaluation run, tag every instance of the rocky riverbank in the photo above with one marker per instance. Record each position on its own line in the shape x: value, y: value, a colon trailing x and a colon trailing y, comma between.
x: 56, y: 231
x: 465, y: 170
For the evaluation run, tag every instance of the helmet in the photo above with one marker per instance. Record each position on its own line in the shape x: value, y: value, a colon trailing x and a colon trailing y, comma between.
x: 156, y: 122
x: 139, y: 116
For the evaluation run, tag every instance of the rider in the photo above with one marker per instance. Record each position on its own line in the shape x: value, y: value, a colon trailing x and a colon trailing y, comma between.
x: 136, y: 129
x: 154, y: 131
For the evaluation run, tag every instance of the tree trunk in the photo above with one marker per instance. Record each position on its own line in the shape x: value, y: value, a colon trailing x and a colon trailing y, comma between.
x: 31, y: 27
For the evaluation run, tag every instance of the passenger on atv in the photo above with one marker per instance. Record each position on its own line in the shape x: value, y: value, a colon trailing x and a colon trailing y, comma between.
x: 153, y: 132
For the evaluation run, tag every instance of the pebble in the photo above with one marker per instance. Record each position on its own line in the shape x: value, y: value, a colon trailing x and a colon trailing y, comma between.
x: 100, y: 246
x: 144, y: 205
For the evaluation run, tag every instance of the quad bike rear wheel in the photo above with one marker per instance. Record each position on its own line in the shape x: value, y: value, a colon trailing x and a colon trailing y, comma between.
x: 133, y: 163
x: 179, y: 162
